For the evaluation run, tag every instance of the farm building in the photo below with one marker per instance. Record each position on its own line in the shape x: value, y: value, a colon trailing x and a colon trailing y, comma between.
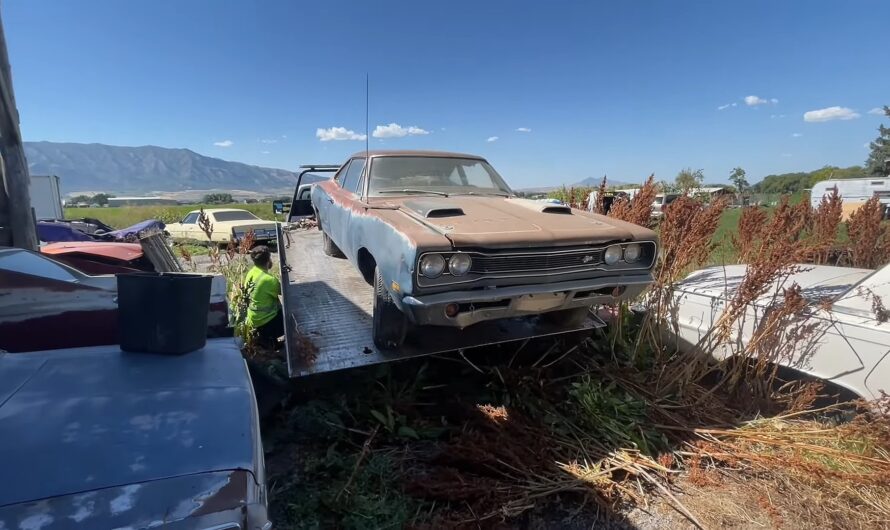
x: 140, y: 201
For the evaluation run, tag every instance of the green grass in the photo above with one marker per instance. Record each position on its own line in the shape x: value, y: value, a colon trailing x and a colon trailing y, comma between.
x: 125, y: 216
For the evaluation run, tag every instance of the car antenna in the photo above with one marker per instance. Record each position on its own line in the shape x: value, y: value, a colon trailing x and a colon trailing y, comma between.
x: 367, y: 112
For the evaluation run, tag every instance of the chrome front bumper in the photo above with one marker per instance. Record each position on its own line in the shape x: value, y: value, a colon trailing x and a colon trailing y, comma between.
x: 506, y: 302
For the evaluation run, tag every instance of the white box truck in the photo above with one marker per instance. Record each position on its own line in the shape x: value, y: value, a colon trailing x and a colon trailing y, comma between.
x: 46, y: 198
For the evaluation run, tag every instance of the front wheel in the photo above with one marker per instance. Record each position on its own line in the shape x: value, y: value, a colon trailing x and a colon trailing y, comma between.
x: 328, y: 246
x: 390, y: 324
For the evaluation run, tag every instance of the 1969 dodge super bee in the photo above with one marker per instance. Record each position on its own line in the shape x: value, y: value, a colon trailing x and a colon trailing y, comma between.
x: 444, y: 241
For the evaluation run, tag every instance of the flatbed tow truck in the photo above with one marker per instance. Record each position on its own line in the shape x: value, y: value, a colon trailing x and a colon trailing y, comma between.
x: 327, y: 305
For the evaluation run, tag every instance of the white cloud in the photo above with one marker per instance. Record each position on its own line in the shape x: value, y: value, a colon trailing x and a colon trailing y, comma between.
x: 264, y: 152
x: 338, y: 133
x: 877, y: 111
x: 830, y: 113
x: 753, y: 101
x: 492, y: 139
x: 224, y: 143
x: 394, y: 130
x: 724, y: 107
x: 796, y: 135
x: 268, y: 141
x: 523, y: 129
x: 774, y: 101
x: 774, y: 116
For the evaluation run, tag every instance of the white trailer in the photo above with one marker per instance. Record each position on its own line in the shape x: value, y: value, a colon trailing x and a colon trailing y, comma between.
x: 852, y: 191
x: 46, y: 198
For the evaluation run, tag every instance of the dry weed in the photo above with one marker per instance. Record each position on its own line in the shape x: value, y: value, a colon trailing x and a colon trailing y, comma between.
x: 869, y: 237
x: 637, y: 210
x: 825, y: 222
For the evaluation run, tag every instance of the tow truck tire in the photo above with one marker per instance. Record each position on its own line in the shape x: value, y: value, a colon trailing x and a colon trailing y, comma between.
x: 567, y: 317
x: 390, y: 324
x: 328, y: 246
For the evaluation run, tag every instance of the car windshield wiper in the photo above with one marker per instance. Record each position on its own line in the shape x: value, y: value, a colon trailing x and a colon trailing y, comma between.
x: 496, y: 193
x: 411, y: 190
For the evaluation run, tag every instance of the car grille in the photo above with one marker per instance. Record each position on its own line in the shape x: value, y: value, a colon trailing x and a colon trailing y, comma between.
x: 486, y: 264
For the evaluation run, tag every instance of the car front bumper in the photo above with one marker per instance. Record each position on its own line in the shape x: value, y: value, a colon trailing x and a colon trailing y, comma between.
x: 521, y: 300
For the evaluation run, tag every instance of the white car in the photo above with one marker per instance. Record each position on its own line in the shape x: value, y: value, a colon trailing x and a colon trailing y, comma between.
x: 851, y: 344
x: 228, y: 225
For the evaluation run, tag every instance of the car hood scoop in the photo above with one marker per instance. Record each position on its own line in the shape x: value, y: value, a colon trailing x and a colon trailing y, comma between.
x: 433, y: 209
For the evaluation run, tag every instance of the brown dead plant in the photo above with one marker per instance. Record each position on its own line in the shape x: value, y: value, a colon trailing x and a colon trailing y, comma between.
x: 599, y: 205
x: 637, y: 210
x: 824, y: 227
x: 869, y: 237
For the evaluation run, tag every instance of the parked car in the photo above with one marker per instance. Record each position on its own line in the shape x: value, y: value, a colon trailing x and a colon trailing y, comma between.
x: 109, y: 439
x: 444, y: 241
x: 45, y: 304
x: 228, y: 225
x: 100, y: 257
x: 851, y: 342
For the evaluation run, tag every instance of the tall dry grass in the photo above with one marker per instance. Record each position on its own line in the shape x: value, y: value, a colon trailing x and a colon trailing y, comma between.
x: 638, y: 209
x: 826, y: 220
x: 869, y: 237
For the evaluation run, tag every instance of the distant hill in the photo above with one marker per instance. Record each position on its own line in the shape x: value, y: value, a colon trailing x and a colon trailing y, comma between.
x: 795, y: 182
x: 589, y: 182
x: 146, y: 169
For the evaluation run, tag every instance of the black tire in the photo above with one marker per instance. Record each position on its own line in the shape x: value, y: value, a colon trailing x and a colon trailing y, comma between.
x: 567, y: 317
x: 328, y: 246
x: 390, y: 324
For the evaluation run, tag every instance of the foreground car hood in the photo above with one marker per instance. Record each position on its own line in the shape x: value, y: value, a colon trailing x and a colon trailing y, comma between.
x: 497, y: 222
x: 817, y: 282
x: 91, y: 418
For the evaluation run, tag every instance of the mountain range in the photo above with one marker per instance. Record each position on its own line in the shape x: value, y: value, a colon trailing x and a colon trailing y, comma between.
x: 172, y: 172
x: 147, y: 169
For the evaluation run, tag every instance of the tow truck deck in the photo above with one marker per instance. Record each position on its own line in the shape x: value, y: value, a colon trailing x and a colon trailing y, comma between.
x: 328, y: 307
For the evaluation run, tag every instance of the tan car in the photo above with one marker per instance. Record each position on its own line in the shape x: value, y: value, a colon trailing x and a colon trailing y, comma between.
x: 228, y: 225
x: 445, y: 242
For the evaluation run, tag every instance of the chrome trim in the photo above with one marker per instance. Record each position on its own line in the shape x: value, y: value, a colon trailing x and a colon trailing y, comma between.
x: 538, y: 272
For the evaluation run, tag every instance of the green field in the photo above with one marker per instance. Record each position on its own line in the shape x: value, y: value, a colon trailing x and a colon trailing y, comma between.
x: 125, y: 216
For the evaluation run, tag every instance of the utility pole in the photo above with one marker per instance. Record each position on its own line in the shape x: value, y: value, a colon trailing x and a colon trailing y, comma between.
x: 17, y: 226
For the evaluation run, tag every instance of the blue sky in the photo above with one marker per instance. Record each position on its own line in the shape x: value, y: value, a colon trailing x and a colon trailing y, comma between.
x: 619, y: 88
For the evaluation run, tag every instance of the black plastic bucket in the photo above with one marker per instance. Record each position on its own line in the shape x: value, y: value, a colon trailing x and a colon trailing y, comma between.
x: 163, y: 313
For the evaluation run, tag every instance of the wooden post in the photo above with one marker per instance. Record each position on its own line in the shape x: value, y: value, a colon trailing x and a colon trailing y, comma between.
x: 16, y: 216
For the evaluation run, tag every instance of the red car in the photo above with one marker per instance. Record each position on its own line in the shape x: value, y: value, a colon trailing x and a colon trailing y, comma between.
x: 47, y: 305
x: 100, y: 257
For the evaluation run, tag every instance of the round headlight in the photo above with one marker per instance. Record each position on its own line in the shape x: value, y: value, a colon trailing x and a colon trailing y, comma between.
x: 612, y: 255
x: 432, y: 265
x: 632, y: 253
x: 459, y: 264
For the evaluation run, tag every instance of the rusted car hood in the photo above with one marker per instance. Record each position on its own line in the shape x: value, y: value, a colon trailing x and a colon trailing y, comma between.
x: 498, y: 222
x: 86, y: 419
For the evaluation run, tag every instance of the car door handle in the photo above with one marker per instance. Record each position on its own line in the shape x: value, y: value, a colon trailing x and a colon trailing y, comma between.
x: 330, y: 200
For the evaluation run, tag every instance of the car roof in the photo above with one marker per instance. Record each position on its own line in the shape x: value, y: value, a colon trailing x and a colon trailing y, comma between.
x: 409, y: 152
x: 217, y: 210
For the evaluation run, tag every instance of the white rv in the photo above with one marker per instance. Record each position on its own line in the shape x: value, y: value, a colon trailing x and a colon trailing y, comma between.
x: 852, y: 191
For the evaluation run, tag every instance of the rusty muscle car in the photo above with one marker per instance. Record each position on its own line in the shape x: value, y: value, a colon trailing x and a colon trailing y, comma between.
x: 443, y: 241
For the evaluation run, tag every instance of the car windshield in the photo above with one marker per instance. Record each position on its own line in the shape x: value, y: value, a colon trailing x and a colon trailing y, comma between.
x: 434, y: 175
x: 234, y: 215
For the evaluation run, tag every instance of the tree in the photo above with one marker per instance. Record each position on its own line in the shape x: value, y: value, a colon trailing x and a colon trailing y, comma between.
x: 689, y: 178
x: 80, y: 199
x: 876, y: 165
x: 218, y: 198
x: 737, y: 177
x: 101, y: 199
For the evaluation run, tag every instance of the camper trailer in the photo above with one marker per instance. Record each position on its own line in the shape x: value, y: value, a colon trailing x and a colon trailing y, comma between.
x: 853, y: 192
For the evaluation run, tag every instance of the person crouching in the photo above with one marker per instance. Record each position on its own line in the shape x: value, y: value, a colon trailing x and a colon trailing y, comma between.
x: 264, y: 315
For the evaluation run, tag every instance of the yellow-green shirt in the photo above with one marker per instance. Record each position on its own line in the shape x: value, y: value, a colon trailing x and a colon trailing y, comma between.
x: 264, y: 289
